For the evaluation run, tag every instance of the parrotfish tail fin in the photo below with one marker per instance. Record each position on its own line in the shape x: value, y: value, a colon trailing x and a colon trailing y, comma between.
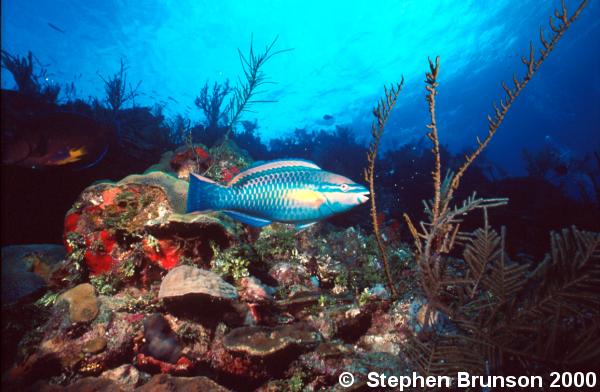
x: 203, y: 194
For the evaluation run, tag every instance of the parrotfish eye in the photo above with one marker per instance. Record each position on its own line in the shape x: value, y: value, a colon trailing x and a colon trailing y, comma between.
x: 344, y: 187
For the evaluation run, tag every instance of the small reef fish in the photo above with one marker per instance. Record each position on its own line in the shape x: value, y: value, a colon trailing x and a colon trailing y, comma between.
x: 54, y: 27
x: 288, y: 190
x: 326, y: 120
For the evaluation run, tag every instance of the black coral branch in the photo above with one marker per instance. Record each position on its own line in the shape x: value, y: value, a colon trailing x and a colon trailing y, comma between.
x: 244, y: 93
x: 570, y: 274
x: 532, y: 63
x: 381, y: 112
x: 507, y: 317
x: 491, y: 269
x: 446, y: 355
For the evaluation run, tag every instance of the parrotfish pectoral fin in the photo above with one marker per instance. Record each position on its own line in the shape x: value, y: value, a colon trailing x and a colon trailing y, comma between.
x: 248, y: 219
x: 202, y: 192
x: 302, y: 226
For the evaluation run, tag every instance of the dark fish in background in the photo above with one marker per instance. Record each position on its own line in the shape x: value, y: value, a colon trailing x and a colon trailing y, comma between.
x: 55, y: 140
x: 172, y: 99
x: 327, y: 120
x: 54, y: 27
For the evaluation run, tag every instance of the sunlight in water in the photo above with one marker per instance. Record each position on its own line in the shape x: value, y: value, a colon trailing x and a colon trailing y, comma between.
x: 343, y: 52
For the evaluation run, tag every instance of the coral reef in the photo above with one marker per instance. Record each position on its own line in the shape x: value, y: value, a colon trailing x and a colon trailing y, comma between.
x: 145, y: 297
x: 134, y: 295
x: 127, y: 232
x: 123, y: 307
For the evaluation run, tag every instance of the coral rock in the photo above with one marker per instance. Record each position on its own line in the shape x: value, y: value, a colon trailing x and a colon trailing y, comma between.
x: 347, y: 322
x: 237, y: 366
x: 127, y: 376
x: 94, y: 346
x: 119, y: 334
x: 185, y: 160
x: 385, y: 333
x: 265, y: 341
x: 299, y: 302
x: 174, y: 189
x: 86, y: 384
x: 161, y: 341
x: 128, y: 228
x: 325, y: 364
x: 191, y: 235
x: 288, y: 274
x: 166, y: 253
x: 38, y: 365
x: 185, y: 280
x: 252, y: 290
x: 228, y: 173
x: 88, y: 348
x: 108, y: 217
x: 228, y: 160
x: 98, y: 254
x: 152, y: 365
x: 83, y: 304
x: 251, y: 355
x: 26, y: 269
x: 166, y: 383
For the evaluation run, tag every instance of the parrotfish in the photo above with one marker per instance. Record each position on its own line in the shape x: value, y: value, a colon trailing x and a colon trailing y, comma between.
x: 288, y: 190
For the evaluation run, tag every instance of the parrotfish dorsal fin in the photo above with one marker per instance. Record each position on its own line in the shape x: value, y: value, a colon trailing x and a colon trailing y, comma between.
x: 259, y: 167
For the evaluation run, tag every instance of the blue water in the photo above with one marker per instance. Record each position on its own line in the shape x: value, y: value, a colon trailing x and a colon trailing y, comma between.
x: 343, y: 52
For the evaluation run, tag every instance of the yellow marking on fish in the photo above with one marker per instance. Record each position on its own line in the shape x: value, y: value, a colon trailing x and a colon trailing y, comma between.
x: 307, y: 196
x: 75, y: 154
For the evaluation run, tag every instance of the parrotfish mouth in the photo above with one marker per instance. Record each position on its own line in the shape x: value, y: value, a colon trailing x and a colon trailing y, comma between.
x: 363, y: 197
